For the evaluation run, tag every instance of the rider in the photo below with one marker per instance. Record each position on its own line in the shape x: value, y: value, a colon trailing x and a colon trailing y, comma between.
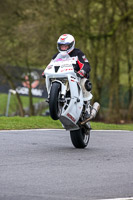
x: 66, y: 43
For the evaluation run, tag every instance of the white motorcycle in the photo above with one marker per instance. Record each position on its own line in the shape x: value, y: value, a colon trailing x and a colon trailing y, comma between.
x: 66, y: 99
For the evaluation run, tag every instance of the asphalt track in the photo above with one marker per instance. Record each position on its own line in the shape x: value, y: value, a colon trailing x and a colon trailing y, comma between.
x: 43, y: 164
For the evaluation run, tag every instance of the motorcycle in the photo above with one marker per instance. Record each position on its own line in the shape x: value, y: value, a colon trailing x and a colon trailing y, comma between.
x: 66, y: 100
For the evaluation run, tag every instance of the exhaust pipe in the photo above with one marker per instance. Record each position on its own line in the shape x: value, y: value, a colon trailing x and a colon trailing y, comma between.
x: 94, y: 111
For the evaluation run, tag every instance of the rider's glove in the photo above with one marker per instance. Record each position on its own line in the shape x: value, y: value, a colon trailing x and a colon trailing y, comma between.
x: 43, y: 75
x: 81, y: 73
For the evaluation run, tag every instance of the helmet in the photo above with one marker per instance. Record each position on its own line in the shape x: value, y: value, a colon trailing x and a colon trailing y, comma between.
x: 68, y: 40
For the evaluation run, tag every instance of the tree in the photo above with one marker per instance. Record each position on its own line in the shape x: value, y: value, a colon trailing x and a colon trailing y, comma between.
x: 102, y: 29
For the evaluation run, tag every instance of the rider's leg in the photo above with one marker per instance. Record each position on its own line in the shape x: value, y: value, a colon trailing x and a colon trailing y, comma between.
x: 87, y: 96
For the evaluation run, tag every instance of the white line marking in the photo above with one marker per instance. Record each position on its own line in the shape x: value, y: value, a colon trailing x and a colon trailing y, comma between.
x: 35, y: 130
x: 23, y: 130
x: 128, y: 198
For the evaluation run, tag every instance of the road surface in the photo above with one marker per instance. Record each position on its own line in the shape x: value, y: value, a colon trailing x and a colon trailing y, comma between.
x: 43, y: 164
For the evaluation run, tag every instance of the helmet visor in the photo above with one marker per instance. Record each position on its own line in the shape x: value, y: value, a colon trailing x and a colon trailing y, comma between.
x: 63, y: 47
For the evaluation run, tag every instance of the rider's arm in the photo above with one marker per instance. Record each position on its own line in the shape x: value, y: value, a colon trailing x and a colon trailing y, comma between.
x: 83, y: 63
x: 54, y: 56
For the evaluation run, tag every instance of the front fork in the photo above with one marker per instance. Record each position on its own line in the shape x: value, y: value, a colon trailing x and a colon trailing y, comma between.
x: 62, y: 92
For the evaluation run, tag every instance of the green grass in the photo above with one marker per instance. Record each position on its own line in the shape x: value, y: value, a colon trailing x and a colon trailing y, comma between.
x: 38, y: 122
x: 7, y: 123
x: 105, y: 126
x: 14, y: 104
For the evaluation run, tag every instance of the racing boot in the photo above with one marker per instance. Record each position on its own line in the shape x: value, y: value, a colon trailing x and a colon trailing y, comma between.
x: 87, y: 110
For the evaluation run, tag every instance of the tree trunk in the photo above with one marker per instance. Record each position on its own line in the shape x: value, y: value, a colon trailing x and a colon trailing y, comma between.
x: 129, y: 64
x: 31, y: 106
x: 114, y: 104
x: 10, y: 80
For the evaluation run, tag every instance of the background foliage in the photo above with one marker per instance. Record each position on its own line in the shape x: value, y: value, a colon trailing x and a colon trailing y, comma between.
x: 103, y: 30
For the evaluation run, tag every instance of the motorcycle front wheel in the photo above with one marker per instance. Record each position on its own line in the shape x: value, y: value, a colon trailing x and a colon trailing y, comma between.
x: 80, y: 138
x: 54, y: 104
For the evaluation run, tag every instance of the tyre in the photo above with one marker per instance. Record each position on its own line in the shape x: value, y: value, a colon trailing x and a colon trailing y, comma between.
x: 54, y: 105
x: 80, y: 138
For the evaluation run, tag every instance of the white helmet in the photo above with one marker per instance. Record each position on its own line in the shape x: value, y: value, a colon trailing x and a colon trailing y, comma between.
x: 66, y: 39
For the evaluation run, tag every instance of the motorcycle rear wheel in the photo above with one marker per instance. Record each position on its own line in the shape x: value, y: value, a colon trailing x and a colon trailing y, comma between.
x: 54, y: 105
x: 80, y: 138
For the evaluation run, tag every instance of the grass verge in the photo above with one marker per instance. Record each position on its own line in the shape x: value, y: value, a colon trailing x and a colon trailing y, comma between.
x: 38, y: 122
